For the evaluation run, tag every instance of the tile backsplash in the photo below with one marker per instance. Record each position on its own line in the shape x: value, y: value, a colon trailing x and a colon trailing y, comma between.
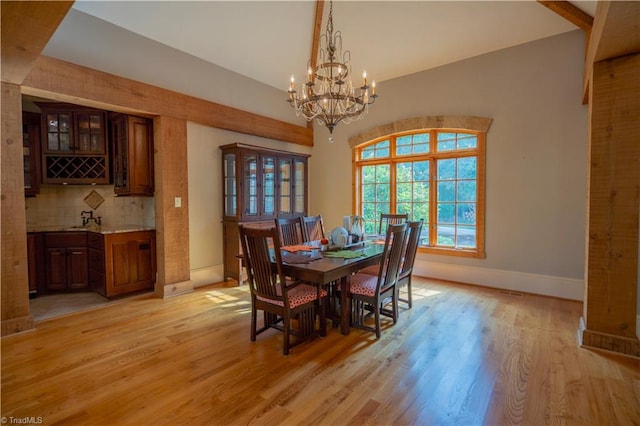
x: 62, y: 205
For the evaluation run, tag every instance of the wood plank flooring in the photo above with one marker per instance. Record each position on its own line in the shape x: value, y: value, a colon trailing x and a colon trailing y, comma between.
x: 463, y: 355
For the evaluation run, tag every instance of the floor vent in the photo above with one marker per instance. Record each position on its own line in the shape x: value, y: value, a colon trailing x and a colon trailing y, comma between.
x: 511, y: 293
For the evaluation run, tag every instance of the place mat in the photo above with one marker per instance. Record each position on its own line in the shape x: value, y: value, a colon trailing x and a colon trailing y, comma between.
x: 346, y: 254
x: 297, y: 247
x: 293, y: 258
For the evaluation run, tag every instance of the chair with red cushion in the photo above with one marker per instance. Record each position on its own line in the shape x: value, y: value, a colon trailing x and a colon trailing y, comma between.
x: 408, y: 259
x: 376, y: 292
x: 280, y: 301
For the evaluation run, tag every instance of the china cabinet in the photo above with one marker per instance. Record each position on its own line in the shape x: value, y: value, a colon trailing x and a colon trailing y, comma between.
x: 259, y: 185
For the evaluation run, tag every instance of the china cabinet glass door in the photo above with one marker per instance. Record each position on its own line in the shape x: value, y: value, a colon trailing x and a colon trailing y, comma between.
x: 285, y: 183
x: 268, y: 186
x: 300, y: 177
x: 230, y: 196
x: 250, y: 189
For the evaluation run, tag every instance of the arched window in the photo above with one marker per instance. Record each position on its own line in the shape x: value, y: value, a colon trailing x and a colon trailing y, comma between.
x: 433, y: 174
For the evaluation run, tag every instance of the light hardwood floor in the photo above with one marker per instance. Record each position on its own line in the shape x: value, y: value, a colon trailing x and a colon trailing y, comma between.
x: 463, y: 355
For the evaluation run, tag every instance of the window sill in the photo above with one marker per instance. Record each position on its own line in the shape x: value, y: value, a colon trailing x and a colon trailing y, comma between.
x: 447, y: 251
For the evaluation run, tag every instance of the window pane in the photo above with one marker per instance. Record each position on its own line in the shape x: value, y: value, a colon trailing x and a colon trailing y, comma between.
x: 368, y: 174
x: 446, y: 213
x: 467, y: 141
x: 446, y: 236
x: 446, y: 191
x: 467, y: 168
x: 465, y: 237
x: 404, y: 192
x: 466, y: 213
x: 466, y: 190
x: 446, y: 169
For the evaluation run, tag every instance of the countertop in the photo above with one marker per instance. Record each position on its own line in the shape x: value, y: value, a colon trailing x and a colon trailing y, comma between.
x: 90, y: 228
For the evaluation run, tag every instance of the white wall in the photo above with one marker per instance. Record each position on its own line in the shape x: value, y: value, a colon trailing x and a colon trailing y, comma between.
x: 536, y: 161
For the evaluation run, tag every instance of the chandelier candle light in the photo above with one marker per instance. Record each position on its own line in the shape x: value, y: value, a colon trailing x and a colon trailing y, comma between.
x: 328, y: 94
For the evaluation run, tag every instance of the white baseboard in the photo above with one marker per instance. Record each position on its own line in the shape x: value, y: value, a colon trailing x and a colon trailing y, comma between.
x: 565, y: 288
x: 208, y: 275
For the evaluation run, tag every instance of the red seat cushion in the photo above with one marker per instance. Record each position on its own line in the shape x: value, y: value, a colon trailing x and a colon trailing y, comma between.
x: 299, y: 295
x: 364, y: 284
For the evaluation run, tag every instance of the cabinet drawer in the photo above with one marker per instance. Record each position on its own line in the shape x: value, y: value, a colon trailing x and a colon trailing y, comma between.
x: 65, y: 239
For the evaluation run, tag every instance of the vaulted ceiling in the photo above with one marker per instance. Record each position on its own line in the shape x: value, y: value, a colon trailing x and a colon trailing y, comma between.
x: 269, y: 41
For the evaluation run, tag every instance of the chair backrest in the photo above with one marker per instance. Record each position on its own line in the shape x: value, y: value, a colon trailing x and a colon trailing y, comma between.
x: 313, y: 228
x: 263, y: 281
x: 394, y: 246
x: 414, y: 229
x: 387, y: 219
x: 290, y: 230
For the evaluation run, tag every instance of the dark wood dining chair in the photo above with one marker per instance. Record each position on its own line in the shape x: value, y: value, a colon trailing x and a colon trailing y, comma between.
x: 280, y: 301
x: 313, y: 228
x: 387, y: 219
x: 373, y: 291
x: 414, y: 231
x: 291, y: 230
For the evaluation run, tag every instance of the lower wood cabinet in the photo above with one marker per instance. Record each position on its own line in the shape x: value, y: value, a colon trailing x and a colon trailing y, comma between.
x: 122, y: 263
x: 66, y: 260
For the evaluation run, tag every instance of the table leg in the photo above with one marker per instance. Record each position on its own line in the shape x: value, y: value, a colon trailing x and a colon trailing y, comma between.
x: 345, y: 315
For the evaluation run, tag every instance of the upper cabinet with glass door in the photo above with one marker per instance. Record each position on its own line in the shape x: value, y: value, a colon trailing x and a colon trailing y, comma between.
x: 74, y: 144
x: 71, y: 129
x: 262, y: 184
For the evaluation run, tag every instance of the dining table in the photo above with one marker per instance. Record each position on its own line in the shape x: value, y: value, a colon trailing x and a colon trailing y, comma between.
x: 332, y: 265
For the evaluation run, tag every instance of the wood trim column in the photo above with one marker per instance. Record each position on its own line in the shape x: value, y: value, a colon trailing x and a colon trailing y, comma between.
x: 610, y: 307
x: 15, y: 277
x: 172, y: 223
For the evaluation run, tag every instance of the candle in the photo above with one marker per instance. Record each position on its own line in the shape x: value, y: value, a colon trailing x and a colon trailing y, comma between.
x: 373, y: 87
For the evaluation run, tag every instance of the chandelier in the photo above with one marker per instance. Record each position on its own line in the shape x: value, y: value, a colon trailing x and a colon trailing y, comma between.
x: 328, y: 94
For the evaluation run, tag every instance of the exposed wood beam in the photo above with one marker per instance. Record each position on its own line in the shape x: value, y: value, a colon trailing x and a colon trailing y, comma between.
x: 615, y: 33
x: 69, y: 82
x: 27, y: 27
x: 570, y: 12
x: 315, y: 42
x: 317, y: 32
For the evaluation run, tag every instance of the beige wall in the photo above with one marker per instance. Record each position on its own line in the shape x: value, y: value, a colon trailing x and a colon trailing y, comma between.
x: 536, y: 161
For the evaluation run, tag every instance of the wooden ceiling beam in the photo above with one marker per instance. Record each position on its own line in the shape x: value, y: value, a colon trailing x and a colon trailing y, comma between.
x: 27, y: 27
x: 570, y: 12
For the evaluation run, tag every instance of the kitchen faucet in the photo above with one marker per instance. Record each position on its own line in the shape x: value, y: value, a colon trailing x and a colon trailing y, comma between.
x: 89, y: 218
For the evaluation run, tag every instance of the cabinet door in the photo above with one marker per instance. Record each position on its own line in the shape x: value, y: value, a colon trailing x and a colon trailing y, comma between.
x: 230, y: 182
x: 250, y: 185
x: 77, y: 268
x: 58, y: 130
x: 300, y: 186
x: 132, y: 155
x: 31, y: 152
x: 90, y: 132
x: 56, y: 260
x: 285, y: 186
x: 140, y: 145
x: 268, y: 185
